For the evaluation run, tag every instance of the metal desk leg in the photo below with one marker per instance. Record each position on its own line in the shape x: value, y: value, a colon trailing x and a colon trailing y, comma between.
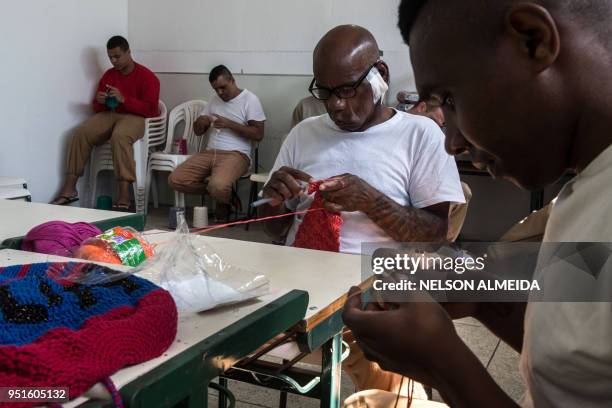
x: 222, y: 399
x: 537, y: 200
x: 197, y: 399
x: 331, y: 372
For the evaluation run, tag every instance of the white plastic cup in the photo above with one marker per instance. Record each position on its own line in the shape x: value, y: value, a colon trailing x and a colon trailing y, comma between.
x: 200, y: 217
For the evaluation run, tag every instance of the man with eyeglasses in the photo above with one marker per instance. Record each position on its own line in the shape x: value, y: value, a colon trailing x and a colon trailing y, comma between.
x: 387, y: 171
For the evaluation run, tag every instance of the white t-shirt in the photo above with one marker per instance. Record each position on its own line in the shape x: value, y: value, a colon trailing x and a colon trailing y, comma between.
x: 567, y: 348
x: 241, y: 109
x: 404, y: 158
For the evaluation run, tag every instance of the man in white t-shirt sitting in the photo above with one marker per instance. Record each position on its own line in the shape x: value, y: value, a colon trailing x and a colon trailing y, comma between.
x: 238, y: 119
x: 392, y: 178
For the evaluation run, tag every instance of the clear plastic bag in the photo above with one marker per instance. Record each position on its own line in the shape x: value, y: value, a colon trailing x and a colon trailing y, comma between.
x: 195, y: 275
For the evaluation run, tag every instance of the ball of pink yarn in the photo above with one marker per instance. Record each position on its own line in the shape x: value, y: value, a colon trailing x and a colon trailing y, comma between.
x: 58, y: 237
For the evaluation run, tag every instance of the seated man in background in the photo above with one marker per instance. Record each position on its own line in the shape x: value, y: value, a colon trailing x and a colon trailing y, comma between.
x: 307, y: 108
x: 392, y: 178
x: 411, y: 102
x: 127, y: 94
x: 238, y: 119
x: 432, y: 112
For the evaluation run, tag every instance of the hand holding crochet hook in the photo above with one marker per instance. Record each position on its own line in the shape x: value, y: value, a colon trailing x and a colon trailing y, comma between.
x: 285, y: 184
x: 345, y: 192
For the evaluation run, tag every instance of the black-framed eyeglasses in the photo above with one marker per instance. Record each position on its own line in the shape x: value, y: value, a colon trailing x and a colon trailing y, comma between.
x: 342, y: 92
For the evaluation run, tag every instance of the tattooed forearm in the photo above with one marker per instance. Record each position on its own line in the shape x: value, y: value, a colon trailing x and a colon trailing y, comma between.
x: 407, y: 224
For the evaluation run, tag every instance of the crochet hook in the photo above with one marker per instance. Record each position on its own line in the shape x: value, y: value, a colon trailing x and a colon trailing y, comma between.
x: 262, y: 202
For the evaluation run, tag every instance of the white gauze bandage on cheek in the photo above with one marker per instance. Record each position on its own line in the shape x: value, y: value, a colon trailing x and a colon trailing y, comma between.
x: 378, y: 84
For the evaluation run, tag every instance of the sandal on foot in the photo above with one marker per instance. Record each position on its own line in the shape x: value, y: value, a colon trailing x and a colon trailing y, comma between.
x: 123, y: 207
x: 65, y: 200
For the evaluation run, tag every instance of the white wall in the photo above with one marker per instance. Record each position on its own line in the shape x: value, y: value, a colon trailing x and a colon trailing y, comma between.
x: 270, y: 37
x: 53, y: 54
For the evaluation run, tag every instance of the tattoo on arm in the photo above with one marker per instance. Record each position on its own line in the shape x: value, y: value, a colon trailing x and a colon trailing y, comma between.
x: 407, y: 224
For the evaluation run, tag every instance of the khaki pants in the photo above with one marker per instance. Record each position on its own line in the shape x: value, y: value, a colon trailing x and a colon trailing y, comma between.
x: 222, y: 168
x: 386, y: 399
x: 120, y: 128
x: 367, y: 375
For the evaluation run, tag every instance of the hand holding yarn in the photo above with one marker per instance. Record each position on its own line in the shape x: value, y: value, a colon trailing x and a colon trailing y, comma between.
x: 101, y: 97
x: 220, y: 122
x: 201, y: 125
x: 285, y: 184
x: 115, y: 93
x: 409, y: 351
x: 348, y: 193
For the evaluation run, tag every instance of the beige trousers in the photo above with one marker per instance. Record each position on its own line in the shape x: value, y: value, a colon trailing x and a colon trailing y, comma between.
x: 121, y: 129
x: 386, y: 399
x: 212, y: 170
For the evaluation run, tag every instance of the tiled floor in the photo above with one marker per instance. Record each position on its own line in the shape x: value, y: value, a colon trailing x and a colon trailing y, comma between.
x: 501, y: 361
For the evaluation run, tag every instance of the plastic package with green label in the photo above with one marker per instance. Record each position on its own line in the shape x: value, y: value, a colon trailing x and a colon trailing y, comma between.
x: 118, y: 245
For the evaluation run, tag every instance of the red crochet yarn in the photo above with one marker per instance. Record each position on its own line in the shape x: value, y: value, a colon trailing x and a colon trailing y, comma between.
x: 105, y: 344
x: 78, y: 358
x: 320, y: 229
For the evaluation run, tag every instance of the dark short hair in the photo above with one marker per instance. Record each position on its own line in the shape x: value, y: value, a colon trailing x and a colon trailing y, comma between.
x: 117, y: 41
x: 408, y: 13
x: 219, y: 70
x: 594, y: 14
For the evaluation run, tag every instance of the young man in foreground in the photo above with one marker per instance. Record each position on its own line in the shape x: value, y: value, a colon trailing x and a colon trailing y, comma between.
x: 526, y: 88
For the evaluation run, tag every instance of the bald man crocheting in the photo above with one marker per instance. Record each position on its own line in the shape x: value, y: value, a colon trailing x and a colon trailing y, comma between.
x: 389, y: 177
x: 392, y: 178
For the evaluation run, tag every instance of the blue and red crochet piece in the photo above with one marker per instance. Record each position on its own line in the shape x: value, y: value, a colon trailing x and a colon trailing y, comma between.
x: 58, y: 333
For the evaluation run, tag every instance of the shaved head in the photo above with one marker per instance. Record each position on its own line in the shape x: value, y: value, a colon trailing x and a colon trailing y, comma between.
x: 348, y: 46
x: 342, y: 59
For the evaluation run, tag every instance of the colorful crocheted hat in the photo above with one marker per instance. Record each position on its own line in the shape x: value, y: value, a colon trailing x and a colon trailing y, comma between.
x: 58, y: 333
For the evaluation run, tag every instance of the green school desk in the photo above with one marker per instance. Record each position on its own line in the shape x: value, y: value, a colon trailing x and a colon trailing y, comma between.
x: 307, y: 294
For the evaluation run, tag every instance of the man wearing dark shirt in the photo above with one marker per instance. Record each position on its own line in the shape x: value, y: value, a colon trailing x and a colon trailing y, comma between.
x: 126, y: 95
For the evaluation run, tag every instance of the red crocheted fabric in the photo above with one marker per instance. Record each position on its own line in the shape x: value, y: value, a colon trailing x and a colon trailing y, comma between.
x: 54, y: 334
x: 320, y: 229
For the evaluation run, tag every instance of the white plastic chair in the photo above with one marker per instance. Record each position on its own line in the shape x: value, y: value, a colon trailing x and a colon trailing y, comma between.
x: 102, y: 157
x: 166, y: 160
x: 250, y: 173
x: 258, y: 177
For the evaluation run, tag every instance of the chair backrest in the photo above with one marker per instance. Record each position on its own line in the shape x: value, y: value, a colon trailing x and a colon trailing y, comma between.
x: 194, y: 142
x: 186, y: 112
x: 254, y: 167
x: 155, y: 128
